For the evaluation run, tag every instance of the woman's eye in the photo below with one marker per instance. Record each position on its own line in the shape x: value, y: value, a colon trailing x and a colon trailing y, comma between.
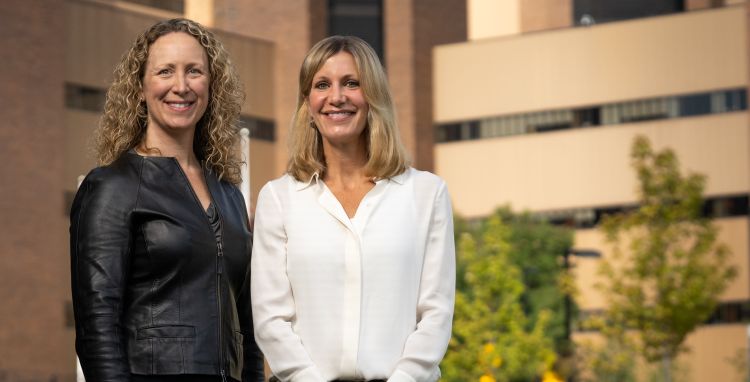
x: 352, y: 84
x: 321, y: 85
x: 163, y: 72
x: 194, y: 71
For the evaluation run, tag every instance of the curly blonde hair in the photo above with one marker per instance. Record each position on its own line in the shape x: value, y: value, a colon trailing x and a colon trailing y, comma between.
x: 386, y: 156
x: 123, y: 124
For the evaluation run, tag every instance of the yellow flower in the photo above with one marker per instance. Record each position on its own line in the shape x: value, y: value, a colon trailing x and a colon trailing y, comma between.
x: 496, y: 362
x: 551, y: 376
x: 489, y: 348
x: 486, y: 378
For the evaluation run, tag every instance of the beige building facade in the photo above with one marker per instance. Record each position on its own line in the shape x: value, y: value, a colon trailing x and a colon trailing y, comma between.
x: 539, y: 109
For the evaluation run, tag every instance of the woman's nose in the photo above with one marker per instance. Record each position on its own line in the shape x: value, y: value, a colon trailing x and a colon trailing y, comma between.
x: 180, y: 85
x: 337, y: 95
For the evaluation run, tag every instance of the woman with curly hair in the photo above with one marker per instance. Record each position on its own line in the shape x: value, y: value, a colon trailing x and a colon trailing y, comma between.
x: 160, y: 244
x: 353, y: 269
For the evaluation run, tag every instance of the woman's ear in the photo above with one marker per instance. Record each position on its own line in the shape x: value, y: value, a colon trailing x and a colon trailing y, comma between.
x: 309, y: 113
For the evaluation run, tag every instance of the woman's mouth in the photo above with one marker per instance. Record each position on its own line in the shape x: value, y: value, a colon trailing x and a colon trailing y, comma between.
x: 179, y: 106
x: 338, y: 115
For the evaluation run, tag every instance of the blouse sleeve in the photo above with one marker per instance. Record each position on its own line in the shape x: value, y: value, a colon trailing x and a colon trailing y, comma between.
x: 426, y: 346
x: 100, y: 240
x: 271, y: 293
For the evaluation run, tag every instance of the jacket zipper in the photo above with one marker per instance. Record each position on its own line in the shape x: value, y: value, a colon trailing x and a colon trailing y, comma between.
x: 219, y: 272
x: 219, y: 263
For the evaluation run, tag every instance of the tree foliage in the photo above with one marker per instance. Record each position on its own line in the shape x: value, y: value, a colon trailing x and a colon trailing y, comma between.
x: 537, y: 248
x: 674, y: 270
x: 613, y: 359
x: 492, y: 338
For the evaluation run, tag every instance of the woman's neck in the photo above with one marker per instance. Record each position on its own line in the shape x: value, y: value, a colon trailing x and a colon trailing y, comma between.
x: 179, y: 146
x: 345, y: 165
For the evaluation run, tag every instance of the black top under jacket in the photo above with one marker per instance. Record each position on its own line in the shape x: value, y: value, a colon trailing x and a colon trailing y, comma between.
x: 155, y: 291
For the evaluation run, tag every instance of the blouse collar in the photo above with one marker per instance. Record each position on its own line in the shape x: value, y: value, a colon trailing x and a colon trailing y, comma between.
x: 315, y: 178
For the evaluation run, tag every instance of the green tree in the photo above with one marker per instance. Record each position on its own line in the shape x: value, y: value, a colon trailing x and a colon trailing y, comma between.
x: 609, y: 361
x: 537, y: 248
x: 674, y: 270
x: 490, y: 336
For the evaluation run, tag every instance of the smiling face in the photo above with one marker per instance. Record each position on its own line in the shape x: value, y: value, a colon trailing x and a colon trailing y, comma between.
x: 336, y: 101
x: 176, y: 83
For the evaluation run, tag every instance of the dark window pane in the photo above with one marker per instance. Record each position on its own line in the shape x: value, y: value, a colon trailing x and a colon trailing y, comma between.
x: 726, y: 206
x: 586, y: 12
x: 449, y: 132
x: 84, y: 97
x: 470, y: 130
x: 698, y: 104
x: 586, y: 117
x: 177, y: 6
x: 551, y: 127
x: 730, y: 312
x: 643, y: 118
x: 735, y: 100
x: 742, y: 100
x: 262, y: 129
x: 361, y: 18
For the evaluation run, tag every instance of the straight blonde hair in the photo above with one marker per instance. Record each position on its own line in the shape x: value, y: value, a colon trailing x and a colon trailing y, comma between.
x: 385, y: 152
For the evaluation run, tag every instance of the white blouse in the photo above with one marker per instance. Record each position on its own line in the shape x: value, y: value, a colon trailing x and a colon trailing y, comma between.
x: 364, y: 298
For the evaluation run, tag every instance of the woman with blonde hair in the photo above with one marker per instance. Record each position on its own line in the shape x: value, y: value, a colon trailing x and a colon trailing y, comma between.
x: 353, y: 269
x: 160, y: 245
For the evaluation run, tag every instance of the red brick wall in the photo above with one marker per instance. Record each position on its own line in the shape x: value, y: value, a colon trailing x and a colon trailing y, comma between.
x: 539, y: 15
x: 35, y: 344
x: 287, y: 24
x: 412, y: 29
x: 435, y: 23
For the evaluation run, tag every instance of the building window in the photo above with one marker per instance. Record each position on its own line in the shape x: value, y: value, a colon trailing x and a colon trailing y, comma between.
x: 736, y: 100
x: 177, y: 6
x: 698, y: 104
x: 460, y: 131
x: 84, y: 97
x: 588, y: 12
x: 361, y: 18
x: 449, y: 132
x: 586, y: 117
x: 713, y: 208
x: 688, y: 105
x: 731, y: 100
x: 729, y: 312
x: 262, y: 129
x: 640, y: 110
x: 726, y: 206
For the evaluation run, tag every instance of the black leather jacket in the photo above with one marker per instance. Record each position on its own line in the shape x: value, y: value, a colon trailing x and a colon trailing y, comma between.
x: 154, y: 291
